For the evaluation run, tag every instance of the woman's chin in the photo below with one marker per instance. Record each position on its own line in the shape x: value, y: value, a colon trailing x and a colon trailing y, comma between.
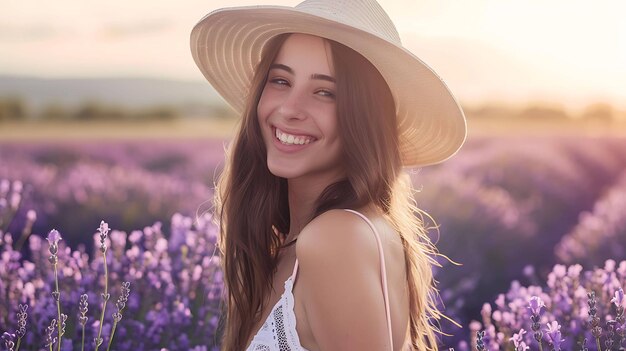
x: 284, y: 172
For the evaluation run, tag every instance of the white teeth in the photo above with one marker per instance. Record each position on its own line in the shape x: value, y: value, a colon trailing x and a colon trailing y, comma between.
x: 292, y: 139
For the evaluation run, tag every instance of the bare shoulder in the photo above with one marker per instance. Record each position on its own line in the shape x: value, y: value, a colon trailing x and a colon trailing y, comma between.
x: 337, y: 232
x: 340, y: 277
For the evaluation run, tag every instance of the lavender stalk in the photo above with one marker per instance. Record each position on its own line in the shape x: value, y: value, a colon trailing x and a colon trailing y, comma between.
x: 50, y: 339
x: 480, y: 344
x: 120, y: 304
x: 620, y: 326
x: 82, y: 317
x: 104, y: 231
x: 535, y: 305
x: 53, y: 240
x: 596, y: 330
x: 21, y: 324
x: 8, y: 340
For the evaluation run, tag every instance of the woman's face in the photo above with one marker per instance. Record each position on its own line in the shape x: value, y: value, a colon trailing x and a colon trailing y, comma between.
x: 297, y: 111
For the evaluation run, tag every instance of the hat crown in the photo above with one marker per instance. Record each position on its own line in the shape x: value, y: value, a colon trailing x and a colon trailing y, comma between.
x: 366, y: 15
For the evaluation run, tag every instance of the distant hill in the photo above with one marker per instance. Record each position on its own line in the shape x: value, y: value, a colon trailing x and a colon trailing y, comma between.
x: 123, y: 92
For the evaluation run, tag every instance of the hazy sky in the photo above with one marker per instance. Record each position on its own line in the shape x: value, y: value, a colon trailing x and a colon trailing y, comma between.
x: 569, y: 51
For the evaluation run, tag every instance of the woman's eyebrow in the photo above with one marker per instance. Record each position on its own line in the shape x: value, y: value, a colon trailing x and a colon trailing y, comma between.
x: 313, y: 76
x: 323, y: 77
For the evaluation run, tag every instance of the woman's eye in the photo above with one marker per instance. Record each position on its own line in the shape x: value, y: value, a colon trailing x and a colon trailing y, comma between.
x: 326, y: 93
x: 279, y: 81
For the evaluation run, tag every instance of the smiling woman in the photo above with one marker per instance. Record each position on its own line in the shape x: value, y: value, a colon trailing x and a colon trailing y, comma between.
x: 332, y: 111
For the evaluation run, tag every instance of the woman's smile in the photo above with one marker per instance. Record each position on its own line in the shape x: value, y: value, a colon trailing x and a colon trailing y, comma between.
x: 290, y: 143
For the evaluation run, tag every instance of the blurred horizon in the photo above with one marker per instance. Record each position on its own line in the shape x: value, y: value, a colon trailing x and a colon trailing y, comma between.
x: 127, y: 108
x: 566, y: 53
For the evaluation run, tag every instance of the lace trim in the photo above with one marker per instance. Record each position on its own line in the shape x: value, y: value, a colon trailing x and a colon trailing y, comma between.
x: 290, y: 315
x: 279, y: 330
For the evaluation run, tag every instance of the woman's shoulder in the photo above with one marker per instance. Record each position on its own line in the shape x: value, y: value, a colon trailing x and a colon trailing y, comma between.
x: 339, y: 274
x: 337, y: 234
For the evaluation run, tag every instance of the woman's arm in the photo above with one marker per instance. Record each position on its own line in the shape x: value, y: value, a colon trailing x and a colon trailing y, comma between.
x: 341, y: 281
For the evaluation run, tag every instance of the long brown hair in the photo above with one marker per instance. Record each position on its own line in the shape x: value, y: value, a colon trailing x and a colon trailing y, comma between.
x: 252, y: 207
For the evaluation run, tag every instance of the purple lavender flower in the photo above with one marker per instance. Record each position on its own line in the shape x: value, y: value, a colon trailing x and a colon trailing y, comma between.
x: 8, y: 338
x: 53, y: 237
x: 104, y: 231
x: 120, y: 304
x: 21, y: 317
x: 594, y: 320
x: 616, y: 328
x: 62, y: 324
x: 50, y: 338
x: 82, y: 309
x: 554, y: 333
x: 188, y: 295
x: 518, y: 341
x: 82, y: 316
x: 121, y: 301
x: 53, y: 241
x: 480, y: 344
x: 570, y: 299
x: 536, y: 304
x: 618, y: 298
x: 21, y: 323
x: 599, y: 234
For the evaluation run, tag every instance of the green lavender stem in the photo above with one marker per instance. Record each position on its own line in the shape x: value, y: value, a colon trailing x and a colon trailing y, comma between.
x: 104, y: 302
x: 82, y: 344
x: 58, y: 298
x: 112, y: 333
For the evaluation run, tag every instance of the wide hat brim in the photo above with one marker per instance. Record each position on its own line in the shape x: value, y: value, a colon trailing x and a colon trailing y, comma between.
x: 227, y: 44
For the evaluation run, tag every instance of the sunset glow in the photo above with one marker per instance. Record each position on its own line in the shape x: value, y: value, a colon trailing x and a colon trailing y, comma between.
x: 571, y: 52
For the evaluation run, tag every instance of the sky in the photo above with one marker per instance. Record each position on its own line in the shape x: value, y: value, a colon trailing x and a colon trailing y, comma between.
x: 565, y: 52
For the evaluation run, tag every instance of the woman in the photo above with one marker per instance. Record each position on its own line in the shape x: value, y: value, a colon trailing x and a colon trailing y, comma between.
x: 320, y: 245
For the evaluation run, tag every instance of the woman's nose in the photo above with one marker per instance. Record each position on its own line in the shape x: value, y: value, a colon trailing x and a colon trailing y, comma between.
x: 293, y: 105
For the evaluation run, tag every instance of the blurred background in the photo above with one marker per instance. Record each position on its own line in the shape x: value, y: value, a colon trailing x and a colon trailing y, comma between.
x: 104, y: 115
x: 562, y: 59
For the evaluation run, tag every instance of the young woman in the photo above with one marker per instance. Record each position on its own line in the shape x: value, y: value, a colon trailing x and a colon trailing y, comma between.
x: 320, y: 244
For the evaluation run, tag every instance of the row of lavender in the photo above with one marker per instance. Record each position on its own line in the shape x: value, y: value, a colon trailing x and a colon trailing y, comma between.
x: 177, y: 288
x: 512, y: 209
x: 168, y: 289
x: 131, y: 184
x: 516, y: 205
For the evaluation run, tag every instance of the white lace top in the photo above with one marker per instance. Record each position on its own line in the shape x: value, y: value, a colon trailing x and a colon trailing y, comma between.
x: 278, y: 333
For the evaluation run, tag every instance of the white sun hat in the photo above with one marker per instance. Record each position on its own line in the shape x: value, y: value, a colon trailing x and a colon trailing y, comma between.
x: 227, y: 43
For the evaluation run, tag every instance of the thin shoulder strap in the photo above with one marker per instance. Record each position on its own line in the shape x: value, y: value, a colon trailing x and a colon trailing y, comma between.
x: 383, y: 271
x: 295, y: 271
x: 382, y: 268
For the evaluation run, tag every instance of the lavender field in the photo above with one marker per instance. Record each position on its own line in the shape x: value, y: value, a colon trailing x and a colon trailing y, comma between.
x: 537, y: 224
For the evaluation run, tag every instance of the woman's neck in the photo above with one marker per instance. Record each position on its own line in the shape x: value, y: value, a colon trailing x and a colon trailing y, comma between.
x: 301, y: 205
x: 302, y: 194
